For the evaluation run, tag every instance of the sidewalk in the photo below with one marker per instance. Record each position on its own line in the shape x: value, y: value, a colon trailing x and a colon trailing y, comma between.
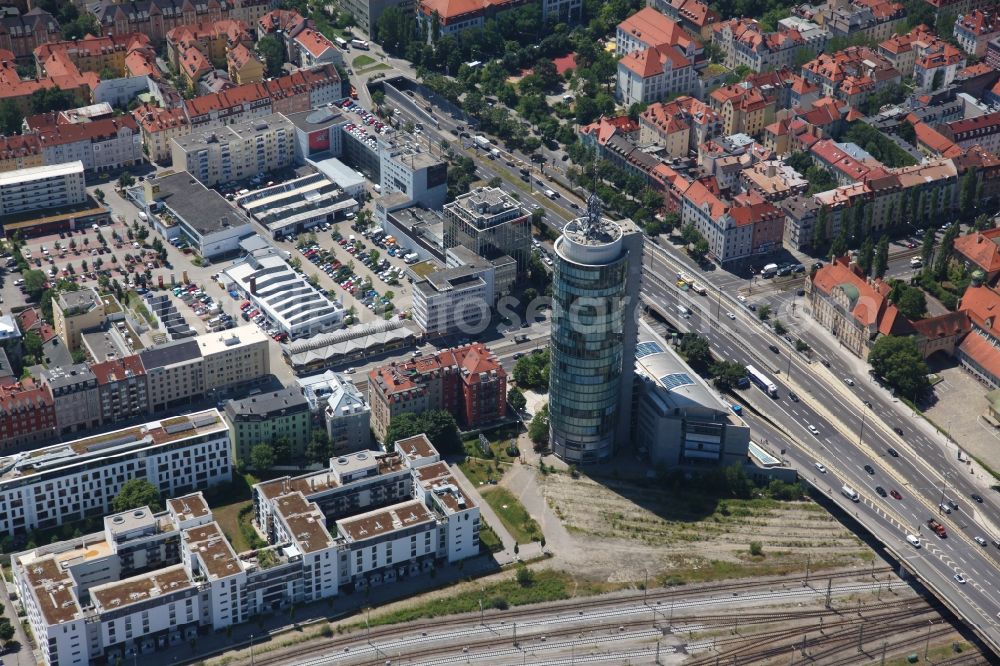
x: 506, y: 556
x: 24, y: 656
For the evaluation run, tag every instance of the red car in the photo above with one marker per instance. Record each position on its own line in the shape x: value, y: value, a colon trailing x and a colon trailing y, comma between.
x: 244, y: 305
x: 895, y: 494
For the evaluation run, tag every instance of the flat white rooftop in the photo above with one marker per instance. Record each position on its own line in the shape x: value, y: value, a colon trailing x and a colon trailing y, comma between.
x: 40, y: 172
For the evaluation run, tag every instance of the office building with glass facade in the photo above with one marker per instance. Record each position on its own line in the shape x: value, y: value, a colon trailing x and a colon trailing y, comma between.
x: 598, y: 269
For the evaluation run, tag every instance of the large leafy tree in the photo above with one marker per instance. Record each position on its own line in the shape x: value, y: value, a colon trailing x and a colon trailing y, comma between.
x: 137, y: 493
x: 898, y: 361
x: 262, y: 456
x: 538, y: 429
x: 439, y: 426
x: 697, y: 352
x: 273, y: 53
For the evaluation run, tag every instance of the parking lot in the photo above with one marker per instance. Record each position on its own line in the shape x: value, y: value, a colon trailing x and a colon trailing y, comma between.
x: 368, y: 277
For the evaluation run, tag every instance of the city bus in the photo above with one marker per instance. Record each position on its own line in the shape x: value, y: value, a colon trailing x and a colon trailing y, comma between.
x: 762, y: 381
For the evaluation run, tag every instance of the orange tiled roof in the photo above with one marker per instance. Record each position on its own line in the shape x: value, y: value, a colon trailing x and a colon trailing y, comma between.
x: 12, y: 147
x: 981, y: 248
x: 868, y: 299
x: 316, y: 43
x: 981, y: 350
x: 652, y: 27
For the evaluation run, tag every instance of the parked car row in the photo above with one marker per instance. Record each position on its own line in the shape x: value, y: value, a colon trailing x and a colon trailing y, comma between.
x: 251, y: 313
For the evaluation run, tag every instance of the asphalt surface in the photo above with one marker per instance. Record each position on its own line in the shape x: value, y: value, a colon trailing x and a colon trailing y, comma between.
x: 926, y: 470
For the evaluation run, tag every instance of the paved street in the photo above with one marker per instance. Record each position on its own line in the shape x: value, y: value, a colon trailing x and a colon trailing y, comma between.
x: 926, y: 469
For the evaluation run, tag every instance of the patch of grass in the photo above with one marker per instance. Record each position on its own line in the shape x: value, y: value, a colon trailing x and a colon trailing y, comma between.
x: 699, y: 570
x: 489, y: 542
x: 363, y: 60
x: 228, y: 517
x: 547, y: 585
x: 480, y: 472
x: 229, y: 503
x: 514, y: 516
x: 936, y: 654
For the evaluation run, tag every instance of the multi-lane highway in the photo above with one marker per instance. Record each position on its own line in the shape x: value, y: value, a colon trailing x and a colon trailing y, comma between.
x: 856, y: 426
x: 922, y: 474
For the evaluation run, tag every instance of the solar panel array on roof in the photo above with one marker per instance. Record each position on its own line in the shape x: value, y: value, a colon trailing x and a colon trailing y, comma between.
x: 204, y: 421
x: 117, y: 441
x: 675, y: 380
x: 178, y: 427
x: 647, y: 348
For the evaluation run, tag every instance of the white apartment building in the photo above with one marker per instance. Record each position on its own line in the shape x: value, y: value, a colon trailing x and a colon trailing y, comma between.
x: 37, y: 188
x: 407, y: 169
x: 454, y: 299
x: 236, y: 152
x: 101, y: 145
x: 46, y: 487
x: 149, y: 581
x: 285, y: 297
x: 562, y: 11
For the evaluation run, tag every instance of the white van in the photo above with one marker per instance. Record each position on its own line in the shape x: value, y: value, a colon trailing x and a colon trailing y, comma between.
x: 684, y: 311
x: 916, y: 262
x: 913, y: 540
x: 769, y: 271
x: 850, y: 493
x: 143, y: 216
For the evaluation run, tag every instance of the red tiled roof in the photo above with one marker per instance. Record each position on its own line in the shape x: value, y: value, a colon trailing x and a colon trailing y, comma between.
x: 652, y: 27
x: 981, y: 248
x: 94, y: 131
x: 871, y: 296
x: 118, y: 369
x: 239, y: 56
x: 983, y: 352
x: 943, y: 326
x: 982, y: 304
x: 154, y: 119
x: 12, y: 147
x: 316, y: 43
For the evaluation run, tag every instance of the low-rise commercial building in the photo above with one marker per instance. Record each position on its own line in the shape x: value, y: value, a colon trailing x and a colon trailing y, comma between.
x: 236, y: 152
x: 186, y: 207
x: 285, y: 297
x: 303, y: 203
x: 680, y: 421
x: 70, y: 481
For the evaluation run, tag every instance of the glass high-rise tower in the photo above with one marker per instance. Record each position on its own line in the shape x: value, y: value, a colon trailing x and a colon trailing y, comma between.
x: 595, y: 290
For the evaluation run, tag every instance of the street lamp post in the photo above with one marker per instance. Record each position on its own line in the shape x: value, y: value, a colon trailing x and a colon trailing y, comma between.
x: 251, y: 649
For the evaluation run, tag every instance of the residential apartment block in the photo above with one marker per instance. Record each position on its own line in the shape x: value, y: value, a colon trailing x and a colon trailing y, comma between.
x: 122, y: 388
x: 745, y: 44
x: 157, y: 127
x: 658, y: 58
x: 975, y: 30
x: 150, y: 581
x: 467, y: 381
x: 440, y: 17
x: 20, y: 152
x: 75, y: 396
x: 236, y: 152
x: 42, y: 187
x: 156, y: 18
x: 70, y: 481
x: 870, y: 20
x: 694, y: 16
x: 983, y: 131
x: 22, y: 34
x: 27, y: 416
x: 101, y: 145
x: 680, y: 126
x: 76, y: 311
x: 851, y: 74
x: 268, y: 417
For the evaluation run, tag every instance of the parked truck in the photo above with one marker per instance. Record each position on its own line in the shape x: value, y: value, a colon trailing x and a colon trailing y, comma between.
x: 481, y: 141
x: 937, y: 528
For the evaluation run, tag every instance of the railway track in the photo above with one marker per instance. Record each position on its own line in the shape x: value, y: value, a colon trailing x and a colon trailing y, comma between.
x: 499, y: 629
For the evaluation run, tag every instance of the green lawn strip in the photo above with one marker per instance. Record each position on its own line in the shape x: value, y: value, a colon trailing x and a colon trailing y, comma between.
x: 548, y: 585
x: 363, y: 60
x: 512, y: 513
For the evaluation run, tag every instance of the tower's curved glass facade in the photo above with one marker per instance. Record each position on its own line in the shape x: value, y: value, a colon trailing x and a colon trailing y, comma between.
x: 588, y: 318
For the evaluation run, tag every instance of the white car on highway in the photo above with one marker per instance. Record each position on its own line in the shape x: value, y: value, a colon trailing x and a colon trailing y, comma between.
x: 731, y: 315
x: 821, y: 467
x: 913, y: 540
x: 813, y: 429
